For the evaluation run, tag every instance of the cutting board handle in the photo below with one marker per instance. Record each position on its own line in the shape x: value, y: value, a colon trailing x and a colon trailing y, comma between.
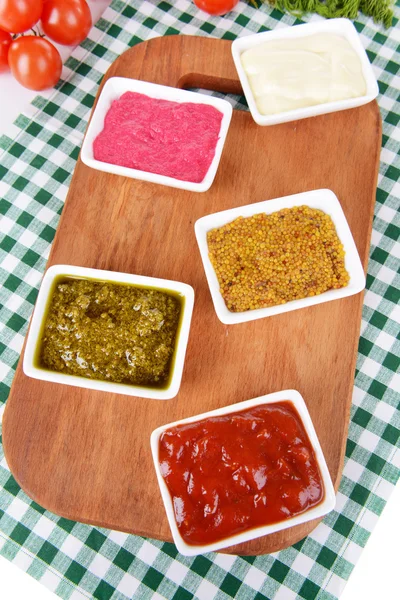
x: 181, y: 63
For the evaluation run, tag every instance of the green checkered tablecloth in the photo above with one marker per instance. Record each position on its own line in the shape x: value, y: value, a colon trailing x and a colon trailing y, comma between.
x: 36, y: 162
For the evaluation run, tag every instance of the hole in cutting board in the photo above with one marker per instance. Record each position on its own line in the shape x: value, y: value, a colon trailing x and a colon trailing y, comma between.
x: 220, y: 87
x: 238, y: 101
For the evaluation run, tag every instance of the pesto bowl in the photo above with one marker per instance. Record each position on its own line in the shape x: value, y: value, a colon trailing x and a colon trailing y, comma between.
x: 31, y: 362
x: 341, y: 27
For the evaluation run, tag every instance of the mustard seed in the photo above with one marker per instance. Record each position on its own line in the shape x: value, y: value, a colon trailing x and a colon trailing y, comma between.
x: 266, y: 260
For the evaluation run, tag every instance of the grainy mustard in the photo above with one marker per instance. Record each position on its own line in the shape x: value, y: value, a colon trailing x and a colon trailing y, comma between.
x: 109, y: 331
x: 266, y: 260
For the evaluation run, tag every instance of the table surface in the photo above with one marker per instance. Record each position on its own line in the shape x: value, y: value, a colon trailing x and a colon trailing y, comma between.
x: 375, y: 575
x: 282, y: 574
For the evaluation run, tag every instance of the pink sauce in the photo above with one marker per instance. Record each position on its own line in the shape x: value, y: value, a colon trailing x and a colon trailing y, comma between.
x: 159, y: 136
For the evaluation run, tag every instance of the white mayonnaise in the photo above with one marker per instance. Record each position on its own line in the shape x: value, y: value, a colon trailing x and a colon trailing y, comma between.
x: 304, y: 71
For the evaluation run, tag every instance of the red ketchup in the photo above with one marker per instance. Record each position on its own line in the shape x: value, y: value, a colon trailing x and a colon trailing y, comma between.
x: 233, y: 473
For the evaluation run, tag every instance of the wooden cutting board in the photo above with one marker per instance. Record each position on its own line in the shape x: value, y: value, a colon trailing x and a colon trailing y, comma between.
x: 85, y: 455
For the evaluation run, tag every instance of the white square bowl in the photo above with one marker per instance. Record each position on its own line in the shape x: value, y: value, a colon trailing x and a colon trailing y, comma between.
x: 342, y: 27
x: 37, y: 324
x: 322, y: 199
x: 113, y: 89
x: 321, y: 509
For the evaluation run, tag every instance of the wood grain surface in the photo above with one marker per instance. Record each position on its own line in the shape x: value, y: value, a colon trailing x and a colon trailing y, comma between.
x: 85, y: 455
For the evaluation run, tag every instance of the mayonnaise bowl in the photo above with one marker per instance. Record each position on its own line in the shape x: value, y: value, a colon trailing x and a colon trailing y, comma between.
x: 337, y: 27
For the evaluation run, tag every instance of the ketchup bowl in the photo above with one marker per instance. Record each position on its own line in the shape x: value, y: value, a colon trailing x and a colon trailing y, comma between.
x: 241, y: 472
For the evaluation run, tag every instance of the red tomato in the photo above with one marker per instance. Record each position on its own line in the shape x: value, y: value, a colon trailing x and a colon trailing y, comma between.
x: 5, y: 42
x: 35, y: 63
x: 216, y: 7
x: 66, y: 21
x: 17, y: 16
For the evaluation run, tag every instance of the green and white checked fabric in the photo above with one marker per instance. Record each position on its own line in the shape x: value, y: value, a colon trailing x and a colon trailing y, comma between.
x: 36, y: 162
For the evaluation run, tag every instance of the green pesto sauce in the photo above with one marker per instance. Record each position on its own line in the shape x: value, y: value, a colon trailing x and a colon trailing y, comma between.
x: 109, y: 331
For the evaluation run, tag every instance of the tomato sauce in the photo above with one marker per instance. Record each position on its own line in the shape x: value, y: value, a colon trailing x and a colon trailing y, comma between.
x: 239, y: 471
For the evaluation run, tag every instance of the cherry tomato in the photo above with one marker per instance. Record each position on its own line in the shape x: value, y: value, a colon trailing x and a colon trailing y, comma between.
x: 216, y: 7
x: 17, y: 16
x: 5, y: 42
x: 35, y: 63
x: 66, y: 21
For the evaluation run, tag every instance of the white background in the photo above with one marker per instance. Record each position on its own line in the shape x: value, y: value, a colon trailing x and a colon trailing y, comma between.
x: 376, y: 576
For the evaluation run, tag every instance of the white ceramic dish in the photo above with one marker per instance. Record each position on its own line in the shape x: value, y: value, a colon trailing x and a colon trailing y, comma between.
x: 342, y: 27
x: 322, y: 199
x: 113, y: 89
x: 46, y: 289
x: 327, y: 504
